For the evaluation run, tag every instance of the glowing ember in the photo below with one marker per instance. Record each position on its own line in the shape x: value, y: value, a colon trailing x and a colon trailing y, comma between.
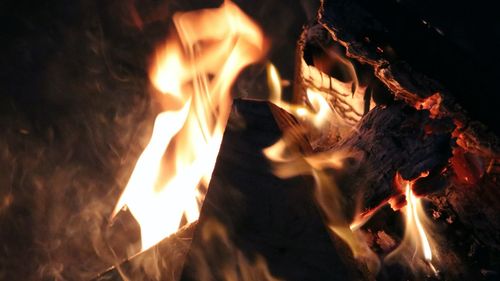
x: 195, y: 76
x: 432, y: 103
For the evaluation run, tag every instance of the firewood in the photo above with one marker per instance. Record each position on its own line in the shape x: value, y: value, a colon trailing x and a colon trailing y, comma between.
x: 413, y: 87
x: 463, y: 180
x: 265, y: 217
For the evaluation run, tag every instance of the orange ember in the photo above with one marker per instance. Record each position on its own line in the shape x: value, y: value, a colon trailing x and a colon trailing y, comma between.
x: 431, y: 103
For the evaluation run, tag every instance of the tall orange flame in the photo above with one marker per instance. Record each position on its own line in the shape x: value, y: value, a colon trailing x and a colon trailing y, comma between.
x: 195, y: 75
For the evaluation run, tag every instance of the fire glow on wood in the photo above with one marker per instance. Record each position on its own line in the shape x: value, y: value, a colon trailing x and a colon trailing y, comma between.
x: 313, y: 117
x: 416, y: 241
x: 249, y: 141
x: 194, y: 73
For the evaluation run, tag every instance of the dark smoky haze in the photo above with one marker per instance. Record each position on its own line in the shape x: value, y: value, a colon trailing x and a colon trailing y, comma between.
x: 76, y: 112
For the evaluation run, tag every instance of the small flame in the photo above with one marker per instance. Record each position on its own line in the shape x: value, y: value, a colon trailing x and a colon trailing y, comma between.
x: 315, y: 112
x: 195, y: 75
x: 416, y: 241
x: 413, y: 211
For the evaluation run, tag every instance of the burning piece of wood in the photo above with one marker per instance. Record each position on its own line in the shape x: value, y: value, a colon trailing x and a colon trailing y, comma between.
x: 264, y: 216
x: 390, y: 139
x: 393, y: 139
x: 425, y: 131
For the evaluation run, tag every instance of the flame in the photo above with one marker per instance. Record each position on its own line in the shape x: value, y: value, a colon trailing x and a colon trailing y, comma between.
x: 315, y: 112
x: 363, y: 217
x: 317, y: 116
x: 346, y: 99
x: 414, y: 224
x: 289, y: 163
x: 329, y: 108
x: 194, y: 73
x: 416, y: 241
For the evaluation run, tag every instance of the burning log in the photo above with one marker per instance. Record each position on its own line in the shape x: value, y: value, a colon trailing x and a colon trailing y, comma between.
x: 472, y: 137
x: 430, y: 133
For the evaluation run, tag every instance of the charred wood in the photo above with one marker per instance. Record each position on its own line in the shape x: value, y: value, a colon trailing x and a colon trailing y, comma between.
x: 463, y: 183
x: 392, y: 139
x: 479, y: 146
x: 413, y: 35
x: 264, y: 216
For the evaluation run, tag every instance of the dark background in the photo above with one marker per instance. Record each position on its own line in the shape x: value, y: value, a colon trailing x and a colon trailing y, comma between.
x: 453, y: 42
x: 75, y: 106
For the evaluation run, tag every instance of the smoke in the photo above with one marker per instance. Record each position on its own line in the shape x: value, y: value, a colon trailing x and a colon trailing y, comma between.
x: 68, y: 143
x: 222, y: 260
x: 76, y: 114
